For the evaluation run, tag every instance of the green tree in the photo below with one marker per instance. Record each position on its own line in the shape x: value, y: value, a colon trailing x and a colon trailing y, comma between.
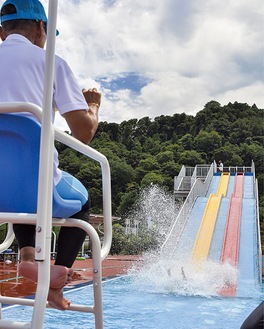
x: 152, y: 178
x: 253, y: 152
x: 229, y: 154
x: 152, y: 145
x: 187, y: 142
x: 211, y: 110
x: 177, y: 150
x: 147, y: 165
x: 191, y: 158
x: 207, y: 142
x: 164, y: 157
x: 69, y: 161
x: 121, y: 175
x: 127, y: 131
x: 241, y: 130
x: 141, y: 131
x: 127, y: 201
x: 119, y: 239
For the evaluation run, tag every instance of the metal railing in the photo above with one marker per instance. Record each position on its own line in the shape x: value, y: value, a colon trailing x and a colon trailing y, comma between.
x: 99, y: 253
x: 199, y: 188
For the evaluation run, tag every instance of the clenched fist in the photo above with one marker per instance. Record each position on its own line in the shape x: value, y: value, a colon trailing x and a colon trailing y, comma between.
x: 92, y: 96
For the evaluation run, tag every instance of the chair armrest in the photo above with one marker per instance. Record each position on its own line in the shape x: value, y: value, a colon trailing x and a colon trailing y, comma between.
x: 106, y: 182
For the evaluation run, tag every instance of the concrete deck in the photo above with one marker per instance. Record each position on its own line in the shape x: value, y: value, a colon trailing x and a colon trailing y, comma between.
x: 16, y: 286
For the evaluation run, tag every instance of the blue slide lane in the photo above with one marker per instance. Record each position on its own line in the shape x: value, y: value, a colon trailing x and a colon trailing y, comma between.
x: 213, y: 186
x: 248, y: 187
x: 247, y: 263
x: 190, y: 231
x: 188, y: 236
x: 248, y: 250
x: 219, y: 231
x: 231, y: 186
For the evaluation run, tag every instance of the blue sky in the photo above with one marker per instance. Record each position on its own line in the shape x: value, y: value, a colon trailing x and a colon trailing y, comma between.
x: 152, y: 57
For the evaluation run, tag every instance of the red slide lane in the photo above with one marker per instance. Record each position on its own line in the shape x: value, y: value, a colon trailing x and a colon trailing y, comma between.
x: 239, y: 185
x: 230, y: 249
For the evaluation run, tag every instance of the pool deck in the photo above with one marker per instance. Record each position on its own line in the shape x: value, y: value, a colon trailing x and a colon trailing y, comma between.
x: 16, y: 286
x: 112, y: 266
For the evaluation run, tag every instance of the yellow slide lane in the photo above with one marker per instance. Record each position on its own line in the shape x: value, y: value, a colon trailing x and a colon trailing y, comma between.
x: 205, y: 233
x: 223, y: 184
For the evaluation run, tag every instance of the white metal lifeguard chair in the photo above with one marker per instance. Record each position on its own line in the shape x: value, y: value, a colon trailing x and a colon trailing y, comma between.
x: 47, y: 203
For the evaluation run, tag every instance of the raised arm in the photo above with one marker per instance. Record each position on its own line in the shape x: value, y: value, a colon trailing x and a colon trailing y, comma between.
x: 83, y: 124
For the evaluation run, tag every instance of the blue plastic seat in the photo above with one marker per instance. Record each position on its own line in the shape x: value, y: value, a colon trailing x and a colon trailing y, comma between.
x: 19, y: 162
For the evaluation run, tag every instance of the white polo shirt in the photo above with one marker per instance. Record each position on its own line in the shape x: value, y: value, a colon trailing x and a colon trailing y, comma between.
x: 22, y: 75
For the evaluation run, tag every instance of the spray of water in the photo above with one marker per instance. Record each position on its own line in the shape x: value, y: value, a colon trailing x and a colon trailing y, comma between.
x: 174, y: 273
x: 156, y: 210
x: 181, y: 277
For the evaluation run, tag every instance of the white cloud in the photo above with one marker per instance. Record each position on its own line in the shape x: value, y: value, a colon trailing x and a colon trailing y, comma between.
x: 251, y: 94
x: 190, y: 52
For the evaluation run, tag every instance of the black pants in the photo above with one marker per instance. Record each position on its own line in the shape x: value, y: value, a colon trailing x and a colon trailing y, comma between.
x: 70, y: 239
x: 256, y: 319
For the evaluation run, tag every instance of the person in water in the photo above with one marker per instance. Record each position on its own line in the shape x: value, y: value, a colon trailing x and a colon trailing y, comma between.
x: 22, y: 63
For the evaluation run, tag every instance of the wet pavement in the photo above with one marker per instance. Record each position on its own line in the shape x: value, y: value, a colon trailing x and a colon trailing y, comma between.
x: 13, y: 285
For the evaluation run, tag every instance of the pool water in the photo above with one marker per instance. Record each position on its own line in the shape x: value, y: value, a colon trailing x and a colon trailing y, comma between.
x: 128, y: 305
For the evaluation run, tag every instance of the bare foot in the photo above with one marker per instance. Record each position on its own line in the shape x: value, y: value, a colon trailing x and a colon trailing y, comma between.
x: 59, y: 275
x: 56, y: 300
x: 69, y: 275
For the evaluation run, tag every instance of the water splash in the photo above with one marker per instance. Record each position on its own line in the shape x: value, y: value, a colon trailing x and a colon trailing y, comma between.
x: 156, y: 210
x: 173, y: 272
x: 155, y: 273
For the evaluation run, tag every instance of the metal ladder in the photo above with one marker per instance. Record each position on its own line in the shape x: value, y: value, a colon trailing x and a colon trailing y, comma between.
x: 43, y: 218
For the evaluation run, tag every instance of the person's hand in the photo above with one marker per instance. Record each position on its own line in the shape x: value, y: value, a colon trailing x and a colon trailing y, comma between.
x: 92, y: 97
x: 82, y: 123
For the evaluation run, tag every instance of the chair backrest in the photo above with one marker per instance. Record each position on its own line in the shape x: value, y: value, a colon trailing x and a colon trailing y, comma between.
x: 19, y: 165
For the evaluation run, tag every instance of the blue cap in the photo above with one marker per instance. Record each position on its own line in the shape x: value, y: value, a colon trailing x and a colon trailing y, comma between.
x: 26, y: 9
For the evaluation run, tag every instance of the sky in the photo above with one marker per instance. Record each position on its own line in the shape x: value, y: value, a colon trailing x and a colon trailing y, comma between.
x: 161, y: 57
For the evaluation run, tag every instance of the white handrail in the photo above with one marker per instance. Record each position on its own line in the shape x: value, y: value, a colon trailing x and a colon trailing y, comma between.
x: 45, y: 175
x: 199, y: 188
x: 260, y: 265
x: 107, y: 212
x: 99, y: 253
x: 47, y: 139
x: 16, y: 107
x: 96, y: 309
x: 84, y: 149
x: 8, y: 239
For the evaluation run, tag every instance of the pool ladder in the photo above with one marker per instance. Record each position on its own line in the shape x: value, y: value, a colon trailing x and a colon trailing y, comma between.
x: 42, y: 219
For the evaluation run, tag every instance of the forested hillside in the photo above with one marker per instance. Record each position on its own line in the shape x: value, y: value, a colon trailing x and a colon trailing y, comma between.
x: 149, y: 150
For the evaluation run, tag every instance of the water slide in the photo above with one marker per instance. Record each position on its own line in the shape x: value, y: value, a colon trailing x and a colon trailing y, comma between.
x: 220, y: 223
x: 205, y: 233
x: 222, y: 226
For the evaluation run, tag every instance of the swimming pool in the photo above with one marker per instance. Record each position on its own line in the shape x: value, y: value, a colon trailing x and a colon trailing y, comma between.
x: 128, y: 305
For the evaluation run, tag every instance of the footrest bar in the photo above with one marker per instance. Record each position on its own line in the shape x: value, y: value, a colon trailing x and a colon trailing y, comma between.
x: 30, y: 302
x: 7, y: 324
x: 81, y: 308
